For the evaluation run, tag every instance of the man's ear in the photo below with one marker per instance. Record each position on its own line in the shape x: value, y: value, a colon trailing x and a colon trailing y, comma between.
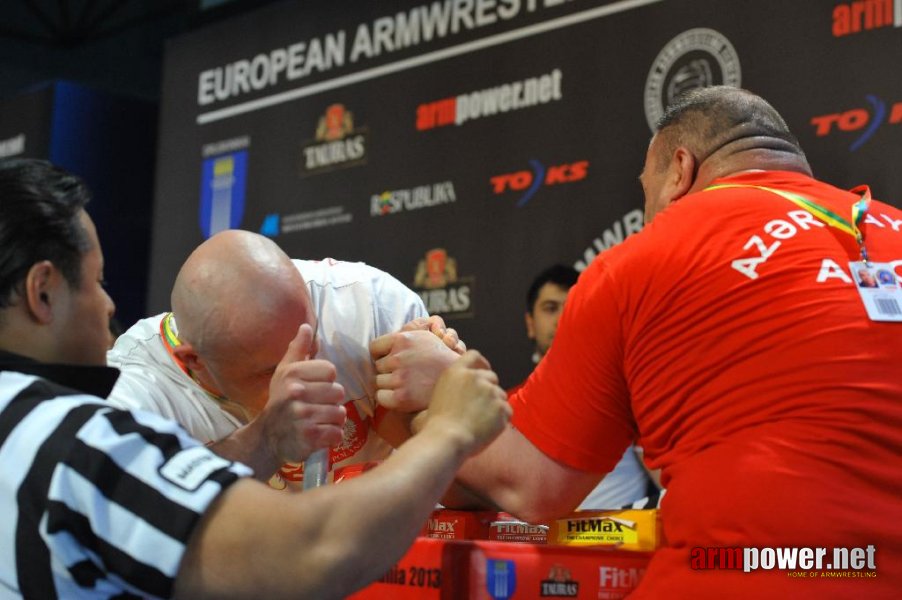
x: 41, y: 286
x: 530, y: 326
x: 680, y: 174
x: 188, y: 356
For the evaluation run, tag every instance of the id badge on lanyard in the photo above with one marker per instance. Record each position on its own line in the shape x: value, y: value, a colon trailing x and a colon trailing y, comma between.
x: 879, y: 288
x: 878, y: 285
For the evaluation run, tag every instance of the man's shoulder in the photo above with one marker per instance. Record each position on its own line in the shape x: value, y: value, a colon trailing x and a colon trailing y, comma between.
x: 329, y: 272
x: 138, y: 342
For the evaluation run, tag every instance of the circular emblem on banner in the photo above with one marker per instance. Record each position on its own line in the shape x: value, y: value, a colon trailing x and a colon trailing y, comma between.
x: 694, y: 59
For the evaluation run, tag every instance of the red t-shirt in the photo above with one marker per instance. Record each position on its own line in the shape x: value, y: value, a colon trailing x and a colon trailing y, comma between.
x: 770, y: 400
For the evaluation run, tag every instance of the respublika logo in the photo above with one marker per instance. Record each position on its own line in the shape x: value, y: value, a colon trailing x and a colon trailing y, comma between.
x: 390, y: 202
x: 861, y: 122
x: 223, y: 182
x: 530, y: 181
x: 516, y: 95
x: 559, y: 584
x: 442, y: 291
x: 337, y: 145
x: 500, y: 578
x: 866, y: 15
x: 694, y: 59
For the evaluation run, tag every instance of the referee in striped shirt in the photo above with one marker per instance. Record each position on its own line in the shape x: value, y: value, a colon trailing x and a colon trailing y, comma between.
x: 103, y: 503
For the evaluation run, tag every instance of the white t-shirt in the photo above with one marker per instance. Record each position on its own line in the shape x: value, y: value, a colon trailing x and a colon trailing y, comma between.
x: 354, y: 304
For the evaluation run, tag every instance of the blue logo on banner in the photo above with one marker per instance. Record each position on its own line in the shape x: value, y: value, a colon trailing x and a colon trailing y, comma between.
x: 500, y: 578
x: 879, y: 107
x: 270, y: 227
x: 222, y: 184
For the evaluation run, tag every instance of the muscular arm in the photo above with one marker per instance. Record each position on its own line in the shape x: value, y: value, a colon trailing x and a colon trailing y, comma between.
x: 328, y: 542
x: 517, y: 477
x: 574, y: 408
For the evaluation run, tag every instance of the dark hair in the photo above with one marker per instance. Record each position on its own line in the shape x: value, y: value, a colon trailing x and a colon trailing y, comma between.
x: 39, y: 220
x: 560, y: 275
x: 707, y: 119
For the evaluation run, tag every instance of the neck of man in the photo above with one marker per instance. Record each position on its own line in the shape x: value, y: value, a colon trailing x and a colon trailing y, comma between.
x: 728, y: 162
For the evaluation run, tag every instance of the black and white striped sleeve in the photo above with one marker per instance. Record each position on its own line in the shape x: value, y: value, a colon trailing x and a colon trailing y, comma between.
x: 104, y: 501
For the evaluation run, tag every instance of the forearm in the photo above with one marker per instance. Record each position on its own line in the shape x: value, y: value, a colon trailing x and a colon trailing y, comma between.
x: 514, y: 476
x: 246, y: 445
x: 322, y: 543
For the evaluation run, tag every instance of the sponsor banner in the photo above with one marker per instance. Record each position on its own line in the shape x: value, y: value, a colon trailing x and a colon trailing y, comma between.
x: 442, y: 290
x: 801, y: 562
x: 483, y: 570
x: 559, y: 584
x: 223, y: 183
x: 528, y: 182
x: 513, y: 96
x: 380, y: 134
x: 275, y: 224
x: 392, y: 202
x: 696, y: 58
x: 859, y: 124
x: 337, y: 145
x: 865, y: 15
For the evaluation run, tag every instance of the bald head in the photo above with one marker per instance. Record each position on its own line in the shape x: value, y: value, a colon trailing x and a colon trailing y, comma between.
x: 234, y: 288
x: 728, y: 130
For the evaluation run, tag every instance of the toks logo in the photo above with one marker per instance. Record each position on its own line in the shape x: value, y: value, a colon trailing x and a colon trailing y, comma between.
x: 865, y: 15
x: 337, y: 144
x: 532, y: 181
x: 442, y: 291
x: 859, y: 119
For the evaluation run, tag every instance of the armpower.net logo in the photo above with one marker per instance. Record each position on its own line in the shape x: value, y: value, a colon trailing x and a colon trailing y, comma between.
x: 800, y: 562
x: 866, y: 15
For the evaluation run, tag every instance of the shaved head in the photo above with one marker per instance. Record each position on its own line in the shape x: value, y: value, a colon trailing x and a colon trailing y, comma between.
x: 714, y: 132
x: 239, y: 297
x: 718, y: 122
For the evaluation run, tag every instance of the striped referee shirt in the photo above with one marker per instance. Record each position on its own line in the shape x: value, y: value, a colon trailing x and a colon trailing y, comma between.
x: 96, y: 502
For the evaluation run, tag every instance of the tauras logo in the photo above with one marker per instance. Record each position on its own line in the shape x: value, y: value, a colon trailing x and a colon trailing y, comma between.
x: 442, y: 291
x: 559, y: 584
x: 338, y: 144
x: 865, y: 15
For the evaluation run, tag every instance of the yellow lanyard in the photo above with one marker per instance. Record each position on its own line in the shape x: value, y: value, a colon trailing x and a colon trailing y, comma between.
x: 859, y: 210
